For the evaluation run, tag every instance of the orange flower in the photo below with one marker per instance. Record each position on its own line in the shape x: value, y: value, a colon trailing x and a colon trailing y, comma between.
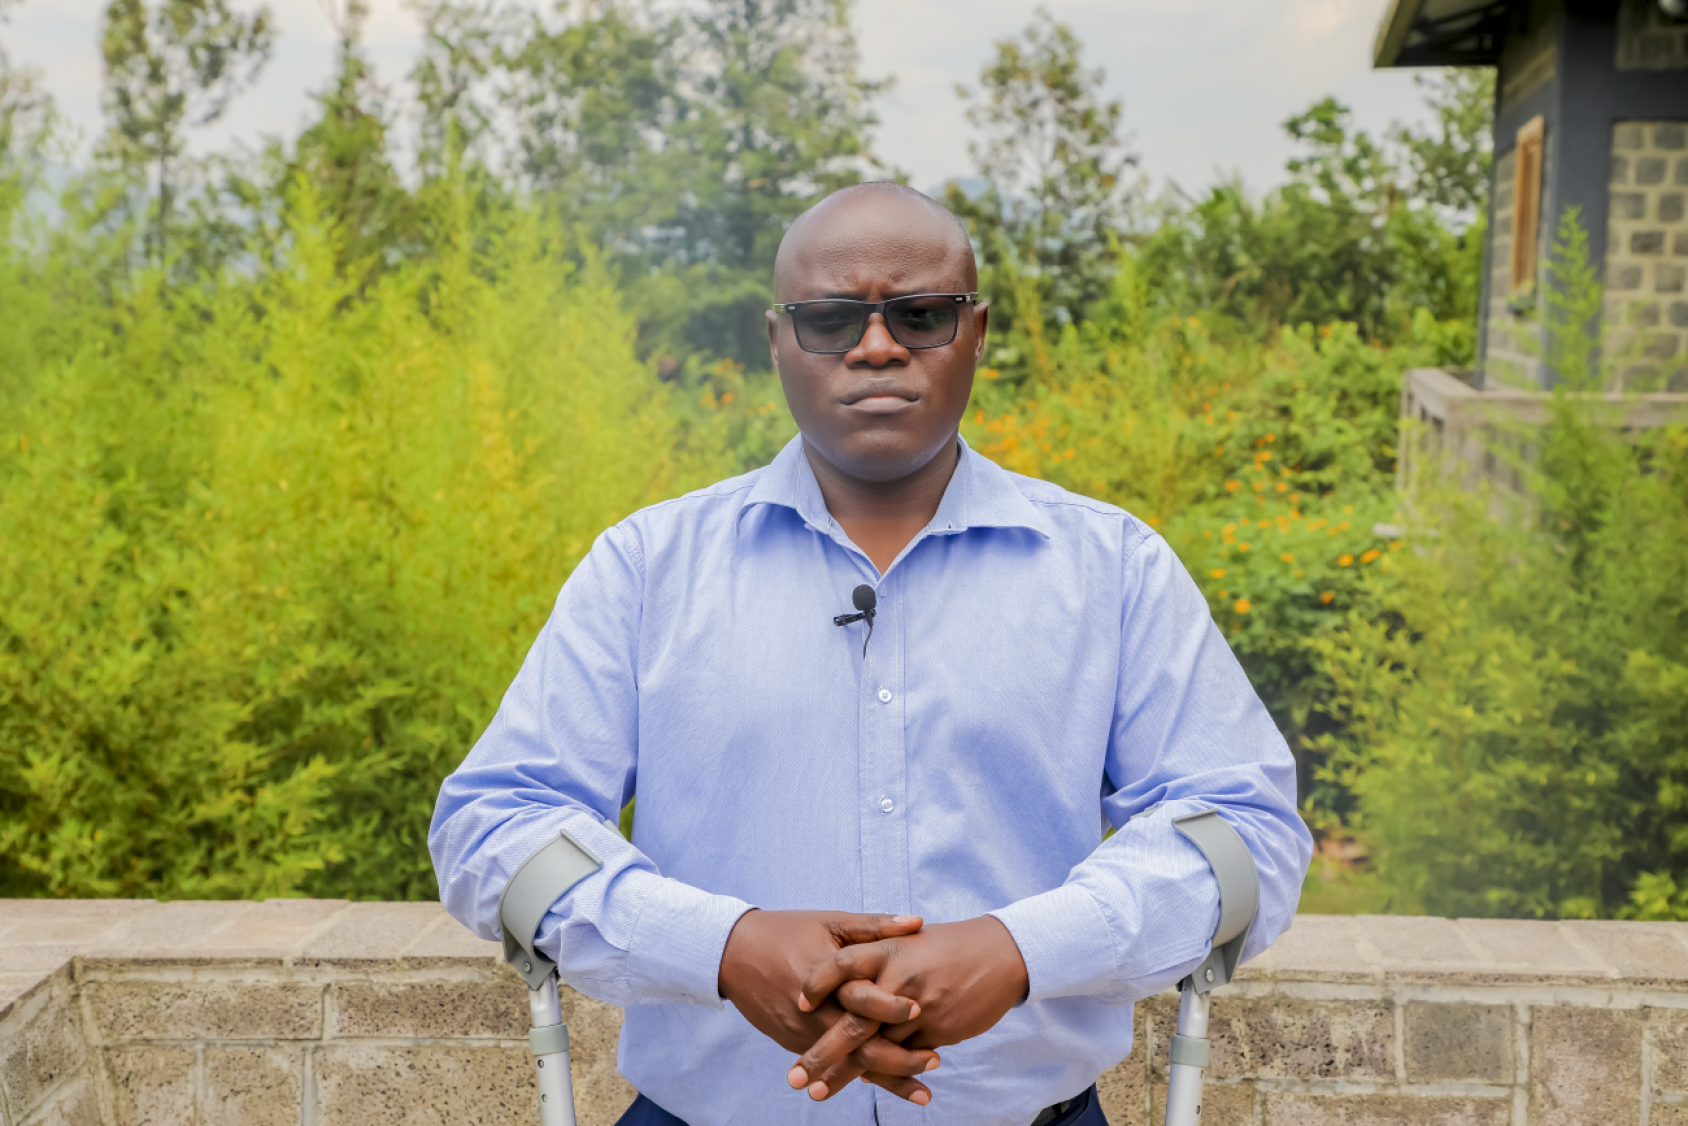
x: 1370, y: 555
x: 1243, y: 606
x: 1326, y: 596
x: 1218, y: 572
x: 1345, y: 561
x: 1287, y: 557
x: 1233, y: 486
x: 1242, y: 546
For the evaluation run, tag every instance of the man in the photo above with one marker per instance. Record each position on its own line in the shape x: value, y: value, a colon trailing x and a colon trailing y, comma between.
x: 856, y: 844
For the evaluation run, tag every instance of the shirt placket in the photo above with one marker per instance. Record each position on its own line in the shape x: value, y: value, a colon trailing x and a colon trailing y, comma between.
x: 883, y: 796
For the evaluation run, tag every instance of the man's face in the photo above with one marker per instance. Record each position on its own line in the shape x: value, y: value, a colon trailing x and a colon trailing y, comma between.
x: 880, y: 411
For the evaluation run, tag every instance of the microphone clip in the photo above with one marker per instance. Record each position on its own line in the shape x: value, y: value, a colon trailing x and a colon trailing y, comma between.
x: 866, y: 601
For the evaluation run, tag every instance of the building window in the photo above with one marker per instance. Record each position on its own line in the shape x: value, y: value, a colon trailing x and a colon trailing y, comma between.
x: 1526, y: 205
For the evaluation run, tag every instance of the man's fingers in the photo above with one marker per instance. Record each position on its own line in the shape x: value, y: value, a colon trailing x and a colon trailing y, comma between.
x: 867, y: 999
x: 913, y: 1090
x: 849, y: 964
x: 851, y: 929
x: 815, y: 1067
x: 882, y: 1056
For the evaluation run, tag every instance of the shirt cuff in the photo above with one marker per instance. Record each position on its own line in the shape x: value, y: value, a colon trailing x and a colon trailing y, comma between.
x: 680, y: 936
x: 1065, y: 941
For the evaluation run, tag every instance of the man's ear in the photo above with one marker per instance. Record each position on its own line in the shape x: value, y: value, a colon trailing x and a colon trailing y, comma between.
x: 981, y: 321
x: 773, y: 319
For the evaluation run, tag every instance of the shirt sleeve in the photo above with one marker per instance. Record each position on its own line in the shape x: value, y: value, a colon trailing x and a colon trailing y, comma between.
x: 562, y: 753
x: 1189, y: 733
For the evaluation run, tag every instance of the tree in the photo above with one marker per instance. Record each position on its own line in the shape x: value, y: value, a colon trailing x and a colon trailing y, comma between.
x: 344, y: 156
x: 1058, y: 174
x: 1449, y: 167
x: 171, y: 66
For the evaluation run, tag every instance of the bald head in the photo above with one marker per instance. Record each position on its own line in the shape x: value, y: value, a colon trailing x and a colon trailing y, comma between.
x: 879, y: 228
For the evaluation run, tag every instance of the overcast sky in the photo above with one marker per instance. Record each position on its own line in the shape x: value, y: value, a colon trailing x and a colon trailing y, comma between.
x: 1206, y: 83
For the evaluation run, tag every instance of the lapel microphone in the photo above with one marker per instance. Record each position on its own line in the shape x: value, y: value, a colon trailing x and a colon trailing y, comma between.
x: 866, y: 602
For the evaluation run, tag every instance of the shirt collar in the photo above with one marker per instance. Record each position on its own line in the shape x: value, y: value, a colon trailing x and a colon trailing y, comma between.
x: 981, y: 494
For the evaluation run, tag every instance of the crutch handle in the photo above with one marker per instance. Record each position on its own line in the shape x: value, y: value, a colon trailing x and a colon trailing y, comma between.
x: 1239, y: 900
x: 543, y: 879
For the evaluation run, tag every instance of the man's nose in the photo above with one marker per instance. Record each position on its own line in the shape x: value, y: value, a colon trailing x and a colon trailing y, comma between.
x: 877, y: 348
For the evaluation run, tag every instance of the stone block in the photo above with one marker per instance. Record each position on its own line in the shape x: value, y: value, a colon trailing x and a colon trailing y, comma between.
x: 41, y: 1048
x: 1670, y: 135
x: 258, y: 1086
x: 1629, y: 205
x: 1451, y: 1043
x: 1650, y: 170
x: 443, y: 1009
x: 1661, y: 346
x: 1323, y: 947
x: 210, y: 1010
x: 1668, y: 1031
x: 1670, y: 207
x: 594, y: 1035
x: 77, y: 1103
x: 1620, y: 170
x: 1287, y: 1109
x: 62, y: 922
x: 358, y: 1085
x: 1522, y: 947
x: 449, y: 940
x: 1124, y: 1091
x: 1279, y: 1037
x: 1585, y: 1066
x: 1682, y: 171
x: 1647, y: 242
x: 1643, y: 952
x: 1669, y: 277
x: 151, y: 1086
x: 1628, y: 135
x: 1625, y: 277
x: 1420, y: 942
x: 1679, y: 246
x: 17, y: 988
x: 372, y: 932
x: 1679, y: 314
x: 1669, y: 1114
x: 199, y: 932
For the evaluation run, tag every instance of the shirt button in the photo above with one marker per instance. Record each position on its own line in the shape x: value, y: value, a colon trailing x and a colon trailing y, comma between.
x: 884, y: 695
x: 886, y: 805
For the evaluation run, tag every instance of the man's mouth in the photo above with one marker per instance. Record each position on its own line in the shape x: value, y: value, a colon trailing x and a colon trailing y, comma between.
x: 880, y: 396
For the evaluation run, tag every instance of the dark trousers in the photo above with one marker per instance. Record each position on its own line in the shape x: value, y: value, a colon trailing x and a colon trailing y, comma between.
x: 643, y: 1112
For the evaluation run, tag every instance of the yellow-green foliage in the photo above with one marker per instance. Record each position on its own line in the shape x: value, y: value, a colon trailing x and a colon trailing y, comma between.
x: 274, y: 552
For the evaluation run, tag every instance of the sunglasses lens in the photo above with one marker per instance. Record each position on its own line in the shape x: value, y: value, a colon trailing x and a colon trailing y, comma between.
x: 829, y: 326
x: 922, y: 322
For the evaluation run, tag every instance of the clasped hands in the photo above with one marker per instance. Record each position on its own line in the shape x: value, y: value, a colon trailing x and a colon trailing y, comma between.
x: 869, y: 997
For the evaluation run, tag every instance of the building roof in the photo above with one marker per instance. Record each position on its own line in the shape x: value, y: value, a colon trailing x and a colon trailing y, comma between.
x: 1441, y: 33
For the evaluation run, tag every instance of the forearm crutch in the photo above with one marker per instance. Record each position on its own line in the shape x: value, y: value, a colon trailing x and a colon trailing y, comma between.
x: 542, y: 879
x: 1239, y: 899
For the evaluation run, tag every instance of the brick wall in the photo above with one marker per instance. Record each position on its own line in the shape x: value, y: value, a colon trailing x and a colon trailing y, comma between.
x: 1647, y: 40
x: 1647, y: 247
x: 1510, y: 357
x: 312, y: 1013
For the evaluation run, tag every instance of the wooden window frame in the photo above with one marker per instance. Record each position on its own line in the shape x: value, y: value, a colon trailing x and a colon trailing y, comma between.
x: 1526, y: 203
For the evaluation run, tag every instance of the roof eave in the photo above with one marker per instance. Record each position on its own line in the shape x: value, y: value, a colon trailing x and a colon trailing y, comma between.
x: 1392, y: 35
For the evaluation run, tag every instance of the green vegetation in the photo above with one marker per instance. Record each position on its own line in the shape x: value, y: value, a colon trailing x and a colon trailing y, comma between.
x: 296, y: 450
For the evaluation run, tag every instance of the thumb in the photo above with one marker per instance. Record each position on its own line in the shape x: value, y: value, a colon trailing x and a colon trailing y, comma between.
x: 849, y: 929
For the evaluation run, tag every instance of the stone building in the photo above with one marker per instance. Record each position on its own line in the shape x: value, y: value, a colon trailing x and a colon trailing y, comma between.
x: 1591, y: 112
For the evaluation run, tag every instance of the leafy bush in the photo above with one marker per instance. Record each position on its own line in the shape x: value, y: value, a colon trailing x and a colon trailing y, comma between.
x: 276, y: 546
x: 1510, y: 712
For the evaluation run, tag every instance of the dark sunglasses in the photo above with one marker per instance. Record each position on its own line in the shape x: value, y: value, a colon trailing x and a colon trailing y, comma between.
x: 921, y: 320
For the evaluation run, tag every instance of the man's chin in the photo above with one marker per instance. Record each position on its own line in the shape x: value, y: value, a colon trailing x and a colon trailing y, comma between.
x: 882, y: 456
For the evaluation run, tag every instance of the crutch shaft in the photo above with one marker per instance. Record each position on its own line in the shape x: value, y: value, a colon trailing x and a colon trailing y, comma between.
x: 1184, y: 1081
x: 550, y: 1040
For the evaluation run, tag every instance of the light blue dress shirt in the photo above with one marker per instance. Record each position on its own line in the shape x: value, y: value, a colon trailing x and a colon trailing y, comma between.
x: 1041, y: 667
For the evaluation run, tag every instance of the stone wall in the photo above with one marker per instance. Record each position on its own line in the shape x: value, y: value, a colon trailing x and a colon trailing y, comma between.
x: 313, y: 1013
x: 1647, y: 245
